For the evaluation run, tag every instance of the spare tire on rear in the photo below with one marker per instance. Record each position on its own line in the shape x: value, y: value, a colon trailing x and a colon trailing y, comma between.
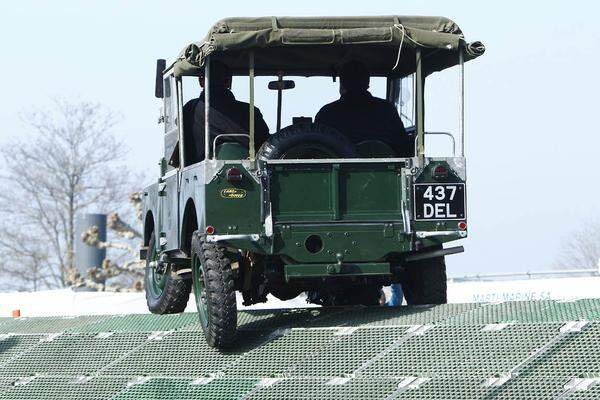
x: 302, y: 141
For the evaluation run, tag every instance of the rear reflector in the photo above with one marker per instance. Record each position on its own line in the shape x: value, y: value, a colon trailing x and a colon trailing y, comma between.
x: 440, y: 172
x: 234, y: 175
x: 462, y: 225
x: 210, y: 230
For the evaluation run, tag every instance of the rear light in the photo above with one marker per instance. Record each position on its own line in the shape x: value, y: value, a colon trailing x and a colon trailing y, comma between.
x: 462, y: 225
x: 440, y: 172
x: 210, y: 230
x: 233, y: 175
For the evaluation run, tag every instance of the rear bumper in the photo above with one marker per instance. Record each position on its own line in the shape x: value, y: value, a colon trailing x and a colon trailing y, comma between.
x: 342, y: 269
x: 348, y: 242
x: 299, y: 271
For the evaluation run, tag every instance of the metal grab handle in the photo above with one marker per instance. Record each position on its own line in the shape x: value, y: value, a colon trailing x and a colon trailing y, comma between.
x: 223, y: 135
x: 451, y: 136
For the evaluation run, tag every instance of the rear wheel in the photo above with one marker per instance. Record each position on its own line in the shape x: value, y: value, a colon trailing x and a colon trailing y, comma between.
x: 214, y: 289
x: 166, y: 292
x: 424, y: 281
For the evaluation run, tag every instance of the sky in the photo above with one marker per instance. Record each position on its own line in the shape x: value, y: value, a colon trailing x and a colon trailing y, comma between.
x: 531, y: 101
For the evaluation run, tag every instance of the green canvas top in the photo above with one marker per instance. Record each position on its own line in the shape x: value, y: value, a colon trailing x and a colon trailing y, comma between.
x: 308, y: 46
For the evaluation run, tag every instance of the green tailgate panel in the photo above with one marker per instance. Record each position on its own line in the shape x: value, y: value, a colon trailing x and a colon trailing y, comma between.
x: 370, y: 192
x: 302, y: 194
x: 337, y: 192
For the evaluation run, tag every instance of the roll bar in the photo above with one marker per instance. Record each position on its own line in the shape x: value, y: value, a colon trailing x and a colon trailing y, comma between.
x: 224, y: 135
x: 206, y: 108
x: 451, y: 136
x: 420, y: 109
x: 252, y: 147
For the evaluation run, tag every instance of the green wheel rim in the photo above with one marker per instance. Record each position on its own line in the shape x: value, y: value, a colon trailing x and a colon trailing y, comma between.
x: 200, y: 292
x: 156, y: 281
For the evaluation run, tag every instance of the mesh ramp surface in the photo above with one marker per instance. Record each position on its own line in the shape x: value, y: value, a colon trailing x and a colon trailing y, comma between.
x: 47, y: 324
x: 65, y: 388
x: 137, y: 323
x: 511, y: 350
x: 175, y: 389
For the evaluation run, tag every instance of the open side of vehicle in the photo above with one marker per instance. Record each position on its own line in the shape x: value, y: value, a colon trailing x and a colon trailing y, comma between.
x: 309, y: 211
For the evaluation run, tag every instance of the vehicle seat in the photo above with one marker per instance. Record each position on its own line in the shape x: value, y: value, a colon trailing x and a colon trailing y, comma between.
x: 231, y: 151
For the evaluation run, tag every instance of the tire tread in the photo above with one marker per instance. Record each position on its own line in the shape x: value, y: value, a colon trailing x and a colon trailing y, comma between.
x: 425, y: 282
x: 175, y: 295
x: 220, y: 288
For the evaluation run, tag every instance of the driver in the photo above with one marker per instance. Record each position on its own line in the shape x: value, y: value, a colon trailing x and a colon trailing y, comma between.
x: 359, y: 115
x: 228, y: 115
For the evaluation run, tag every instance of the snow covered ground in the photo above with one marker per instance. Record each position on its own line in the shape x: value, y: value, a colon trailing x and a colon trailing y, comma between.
x: 66, y: 302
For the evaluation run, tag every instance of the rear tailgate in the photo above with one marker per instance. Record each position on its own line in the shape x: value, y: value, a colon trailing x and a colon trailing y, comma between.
x: 325, y: 191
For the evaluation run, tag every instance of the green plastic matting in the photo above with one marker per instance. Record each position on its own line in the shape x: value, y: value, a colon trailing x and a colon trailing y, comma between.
x: 510, y: 350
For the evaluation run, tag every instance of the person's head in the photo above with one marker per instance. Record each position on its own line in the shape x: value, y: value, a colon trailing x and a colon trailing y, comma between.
x: 354, y: 77
x: 220, y: 76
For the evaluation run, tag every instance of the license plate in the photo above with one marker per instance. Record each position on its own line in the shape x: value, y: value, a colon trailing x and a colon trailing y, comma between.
x: 439, y: 201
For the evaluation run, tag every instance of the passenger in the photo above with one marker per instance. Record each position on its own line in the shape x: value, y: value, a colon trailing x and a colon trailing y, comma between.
x: 359, y: 115
x: 227, y: 115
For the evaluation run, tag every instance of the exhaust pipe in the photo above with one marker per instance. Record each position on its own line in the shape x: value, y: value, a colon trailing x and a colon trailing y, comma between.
x: 434, y: 253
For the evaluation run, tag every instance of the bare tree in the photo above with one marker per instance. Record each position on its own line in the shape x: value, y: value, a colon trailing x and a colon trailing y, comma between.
x: 25, y: 259
x: 582, y: 247
x: 69, y: 163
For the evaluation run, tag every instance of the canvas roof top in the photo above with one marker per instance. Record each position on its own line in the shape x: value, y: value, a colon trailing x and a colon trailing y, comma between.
x: 308, y: 46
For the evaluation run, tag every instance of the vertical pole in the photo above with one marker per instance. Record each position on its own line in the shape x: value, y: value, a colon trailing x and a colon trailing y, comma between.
x: 251, y: 125
x: 279, y: 94
x: 461, y: 59
x: 87, y: 256
x: 179, y: 89
x: 420, y: 105
x: 206, y: 108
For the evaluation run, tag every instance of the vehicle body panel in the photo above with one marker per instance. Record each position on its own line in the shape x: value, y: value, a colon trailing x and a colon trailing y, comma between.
x: 169, y: 212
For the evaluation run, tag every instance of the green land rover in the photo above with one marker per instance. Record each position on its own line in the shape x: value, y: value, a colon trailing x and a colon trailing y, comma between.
x: 308, y: 211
